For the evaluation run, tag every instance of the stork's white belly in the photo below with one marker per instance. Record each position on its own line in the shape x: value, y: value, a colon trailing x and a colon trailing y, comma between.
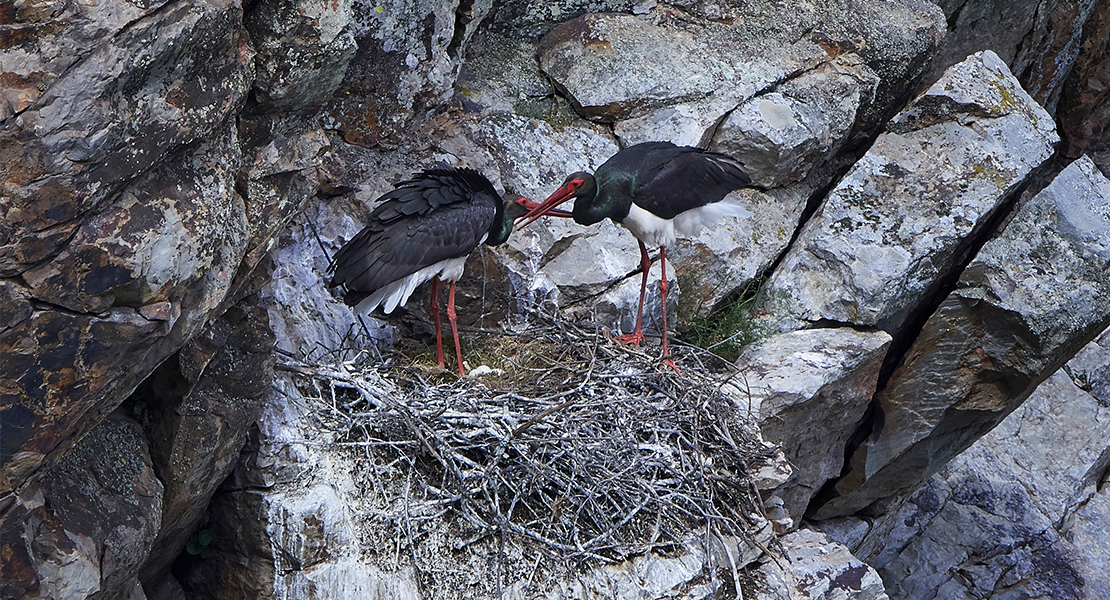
x: 397, y: 293
x: 655, y: 231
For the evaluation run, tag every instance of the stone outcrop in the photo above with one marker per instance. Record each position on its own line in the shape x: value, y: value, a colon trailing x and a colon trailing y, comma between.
x: 117, y: 509
x: 865, y: 260
x: 1029, y: 300
x: 160, y: 162
x: 1024, y: 509
x: 817, y: 569
x: 122, y: 232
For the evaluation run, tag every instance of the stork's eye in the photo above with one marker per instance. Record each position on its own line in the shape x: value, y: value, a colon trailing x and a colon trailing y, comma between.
x: 575, y: 184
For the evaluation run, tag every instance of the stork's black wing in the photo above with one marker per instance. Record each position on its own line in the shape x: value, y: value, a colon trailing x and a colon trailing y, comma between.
x: 667, y: 179
x: 437, y: 215
x: 430, y: 189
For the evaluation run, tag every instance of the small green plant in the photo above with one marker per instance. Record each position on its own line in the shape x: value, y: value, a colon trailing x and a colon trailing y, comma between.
x: 725, y: 331
x: 142, y: 414
x: 198, y: 543
x: 728, y: 329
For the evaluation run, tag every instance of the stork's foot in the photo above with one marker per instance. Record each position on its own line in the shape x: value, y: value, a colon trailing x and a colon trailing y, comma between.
x: 670, y: 363
x: 636, y: 338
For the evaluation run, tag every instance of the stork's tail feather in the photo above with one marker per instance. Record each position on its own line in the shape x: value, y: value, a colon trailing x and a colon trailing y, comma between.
x: 728, y: 169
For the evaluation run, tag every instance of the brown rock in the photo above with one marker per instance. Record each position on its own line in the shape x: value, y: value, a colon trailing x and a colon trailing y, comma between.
x: 88, y: 522
x: 200, y: 407
x: 1084, y: 109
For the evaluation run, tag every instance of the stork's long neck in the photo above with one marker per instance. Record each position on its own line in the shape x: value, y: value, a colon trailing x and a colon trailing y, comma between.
x: 605, y: 201
x: 501, y: 227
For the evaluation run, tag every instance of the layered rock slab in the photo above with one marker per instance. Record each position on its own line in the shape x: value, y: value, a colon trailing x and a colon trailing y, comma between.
x: 906, y: 214
x: 1031, y: 298
x: 131, y: 286
x: 1024, y: 509
x: 809, y: 390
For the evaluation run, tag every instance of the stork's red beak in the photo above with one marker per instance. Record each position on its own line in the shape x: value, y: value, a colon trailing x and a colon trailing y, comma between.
x: 530, y: 206
x: 547, y: 207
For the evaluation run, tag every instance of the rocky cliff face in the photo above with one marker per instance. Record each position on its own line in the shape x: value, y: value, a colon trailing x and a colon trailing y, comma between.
x: 925, y: 277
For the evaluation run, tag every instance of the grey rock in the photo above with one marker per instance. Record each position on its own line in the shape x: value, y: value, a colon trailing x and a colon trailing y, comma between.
x: 615, y: 66
x: 803, y: 122
x: 303, y: 49
x: 1087, y: 531
x: 703, y: 65
x: 283, y: 166
x: 849, y: 531
x: 1031, y: 298
x: 403, y: 70
x: 896, y: 40
x: 817, y: 568
x: 500, y: 74
x: 1020, y: 513
x: 733, y: 63
x: 809, y: 390
x: 897, y: 223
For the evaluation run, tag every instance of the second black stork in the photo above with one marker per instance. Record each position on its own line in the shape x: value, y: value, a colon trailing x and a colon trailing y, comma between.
x: 658, y: 191
x: 423, y: 230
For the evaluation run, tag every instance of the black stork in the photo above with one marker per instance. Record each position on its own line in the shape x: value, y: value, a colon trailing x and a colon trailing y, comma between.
x: 658, y: 191
x: 423, y: 230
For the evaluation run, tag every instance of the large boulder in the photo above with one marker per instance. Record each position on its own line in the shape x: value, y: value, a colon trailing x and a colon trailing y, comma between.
x: 403, y: 69
x: 86, y: 525
x: 809, y: 390
x: 906, y: 215
x: 817, y: 568
x: 1032, y: 297
x: 1024, y: 509
x: 303, y: 50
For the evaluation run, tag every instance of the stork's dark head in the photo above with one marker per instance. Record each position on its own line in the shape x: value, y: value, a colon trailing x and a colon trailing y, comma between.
x: 516, y: 207
x: 576, y: 185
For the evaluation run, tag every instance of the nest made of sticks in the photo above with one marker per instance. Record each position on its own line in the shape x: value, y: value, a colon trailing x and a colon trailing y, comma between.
x: 585, y: 448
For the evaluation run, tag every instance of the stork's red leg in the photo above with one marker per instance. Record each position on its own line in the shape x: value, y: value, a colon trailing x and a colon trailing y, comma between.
x: 454, y: 328
x: 663, y: 292
x: 435, y: 317
x: 637, y: 335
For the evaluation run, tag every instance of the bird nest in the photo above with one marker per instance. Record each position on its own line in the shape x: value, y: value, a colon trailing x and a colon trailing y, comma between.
x: 583, y: 448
